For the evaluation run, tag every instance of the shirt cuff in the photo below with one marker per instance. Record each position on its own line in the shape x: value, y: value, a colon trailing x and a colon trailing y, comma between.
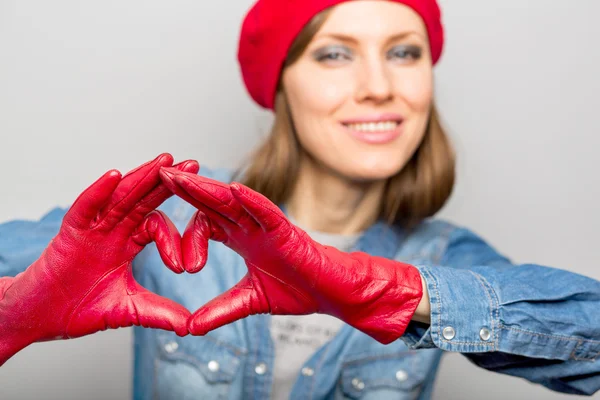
x: 464, y: 313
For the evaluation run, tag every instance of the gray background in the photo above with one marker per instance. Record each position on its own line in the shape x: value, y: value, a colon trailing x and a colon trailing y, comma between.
x: 89, y: 86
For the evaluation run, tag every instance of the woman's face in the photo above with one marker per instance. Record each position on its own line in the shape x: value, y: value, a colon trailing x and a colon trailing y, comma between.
x: 361, y: 92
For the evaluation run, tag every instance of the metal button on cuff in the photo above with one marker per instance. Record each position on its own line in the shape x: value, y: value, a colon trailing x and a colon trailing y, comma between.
x: 448, y: 333
x: 485, y: 333
x: 307, y: 371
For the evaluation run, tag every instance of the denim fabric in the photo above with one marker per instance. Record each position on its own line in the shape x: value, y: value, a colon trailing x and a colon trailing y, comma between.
x: 535, y: 322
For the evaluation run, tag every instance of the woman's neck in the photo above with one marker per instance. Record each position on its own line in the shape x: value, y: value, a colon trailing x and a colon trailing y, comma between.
x: 327, y: 202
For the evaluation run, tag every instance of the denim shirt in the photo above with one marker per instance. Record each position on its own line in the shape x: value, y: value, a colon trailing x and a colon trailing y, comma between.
x: 531, y: 321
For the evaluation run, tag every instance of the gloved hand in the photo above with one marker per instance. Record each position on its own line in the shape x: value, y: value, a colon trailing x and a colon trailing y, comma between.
x: 288, y: 272
x: 83, y: 283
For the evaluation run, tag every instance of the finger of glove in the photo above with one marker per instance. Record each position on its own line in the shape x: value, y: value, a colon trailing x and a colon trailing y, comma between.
x: 171, y: 179
x: 158, y: 228
x: 261, y: 209
x: 220, y: 199
x: 236, y: 303
x: 157, y: 196
x: 134, y: 186
x: 89, y: 203
x: 154, y: 311
x: 195, y: 242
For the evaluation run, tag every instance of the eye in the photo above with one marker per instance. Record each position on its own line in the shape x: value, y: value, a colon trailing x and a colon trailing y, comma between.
x: 333, y: 54
x: 405, y: 53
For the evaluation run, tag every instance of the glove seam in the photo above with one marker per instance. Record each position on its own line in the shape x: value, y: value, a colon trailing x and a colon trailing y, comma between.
x: 12, y: 282
x: 72, y: 314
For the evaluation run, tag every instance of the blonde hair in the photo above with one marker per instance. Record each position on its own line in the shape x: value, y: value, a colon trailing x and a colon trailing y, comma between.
x: 416, y: 192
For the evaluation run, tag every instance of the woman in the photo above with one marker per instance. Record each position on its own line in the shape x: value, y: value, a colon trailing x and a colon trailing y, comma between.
x: 358, y: 159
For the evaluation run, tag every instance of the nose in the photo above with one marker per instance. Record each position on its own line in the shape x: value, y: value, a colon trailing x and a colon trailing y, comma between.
x: 374, y: 83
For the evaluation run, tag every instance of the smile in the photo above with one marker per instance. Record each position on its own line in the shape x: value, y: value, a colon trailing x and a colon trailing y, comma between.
x: 379, y: 132
x: 384, y: 126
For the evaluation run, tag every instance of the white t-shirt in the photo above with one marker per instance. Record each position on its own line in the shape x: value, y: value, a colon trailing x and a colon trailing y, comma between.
x: 298, y: 337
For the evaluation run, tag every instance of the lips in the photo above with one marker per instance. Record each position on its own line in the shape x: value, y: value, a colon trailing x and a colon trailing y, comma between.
x: 375, y: 130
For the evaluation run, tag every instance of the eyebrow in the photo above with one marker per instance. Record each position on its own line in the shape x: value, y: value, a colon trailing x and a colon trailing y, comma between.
x: 352, y: 40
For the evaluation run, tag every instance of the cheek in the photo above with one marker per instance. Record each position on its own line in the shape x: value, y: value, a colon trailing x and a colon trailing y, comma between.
x: 415, y: 87
x: 314, y: 96
x: 315, y: 92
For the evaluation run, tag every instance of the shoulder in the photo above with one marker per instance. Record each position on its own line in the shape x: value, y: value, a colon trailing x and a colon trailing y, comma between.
x: 450, y: 244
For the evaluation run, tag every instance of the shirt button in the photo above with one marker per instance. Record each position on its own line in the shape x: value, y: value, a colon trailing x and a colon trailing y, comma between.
x: 448, y: 333
x: 485, y: 333
x: 213, y: 366
x: 260, y: 368
x: 306, y: 371
x: 401, y: 375
x: 171, y: 347
x: 358, y: 384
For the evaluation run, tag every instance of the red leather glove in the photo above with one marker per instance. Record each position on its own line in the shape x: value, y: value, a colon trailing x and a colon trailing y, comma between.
x: 288, y: 272
x: 83, y: 282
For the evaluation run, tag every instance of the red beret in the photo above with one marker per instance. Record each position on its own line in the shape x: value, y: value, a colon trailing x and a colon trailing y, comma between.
x: 271, y: 26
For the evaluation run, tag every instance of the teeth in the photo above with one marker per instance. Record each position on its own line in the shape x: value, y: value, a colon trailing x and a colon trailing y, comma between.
x: 374, y: 126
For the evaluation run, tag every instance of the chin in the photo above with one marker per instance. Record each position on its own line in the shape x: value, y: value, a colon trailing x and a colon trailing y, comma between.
x: 372, y: 164
x: 369, y: 173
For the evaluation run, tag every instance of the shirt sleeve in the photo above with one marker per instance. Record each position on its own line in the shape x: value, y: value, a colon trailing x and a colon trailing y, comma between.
x: 531, y: 321
x: 23, y: 241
